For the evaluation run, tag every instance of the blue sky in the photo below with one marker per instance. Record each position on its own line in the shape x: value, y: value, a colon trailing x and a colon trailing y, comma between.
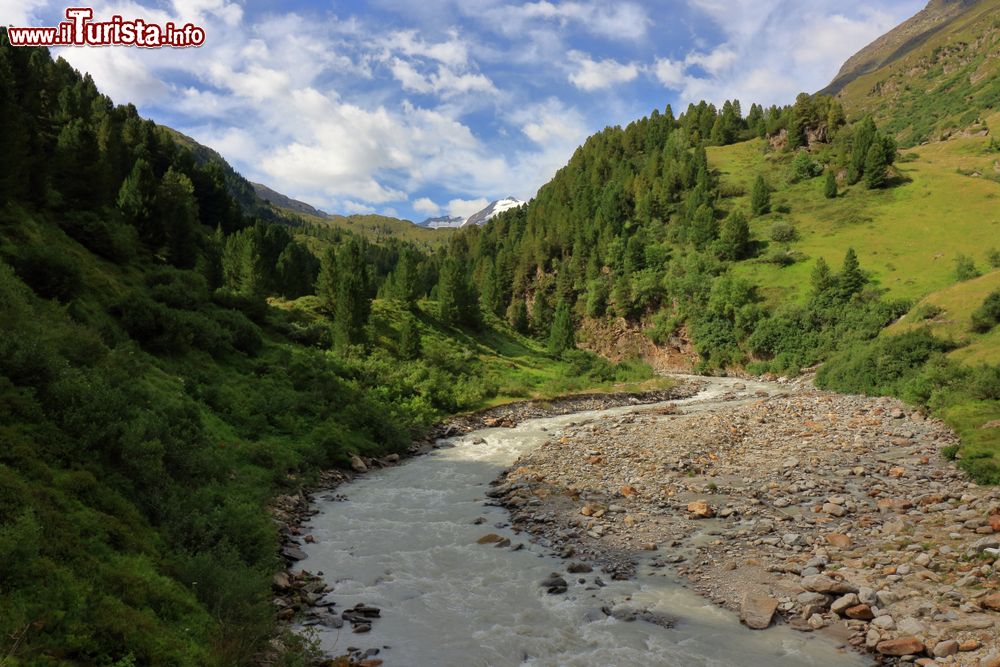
x: 426, y: 107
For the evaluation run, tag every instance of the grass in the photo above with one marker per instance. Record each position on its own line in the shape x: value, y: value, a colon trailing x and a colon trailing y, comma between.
x: 952, y: 309
x: 907, y: 236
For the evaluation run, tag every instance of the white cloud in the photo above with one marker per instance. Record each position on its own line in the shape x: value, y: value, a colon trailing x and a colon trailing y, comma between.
x: 714, y: 62
x: 351, y: 207
x: 669, y: 72
x: 426, y: 206
x: 466, y: 207
x: 775, y: 49
x: 20, y: 13
x: 624, y: 21
x: 595, y: 75
x: 452, y: 52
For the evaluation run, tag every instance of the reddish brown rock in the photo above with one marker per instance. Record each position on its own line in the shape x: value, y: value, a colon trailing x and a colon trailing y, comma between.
x: 699, y: 509
x: 860, y: 612
x: 991, y: 601
x: 838, y: 540
x: 901, y: 646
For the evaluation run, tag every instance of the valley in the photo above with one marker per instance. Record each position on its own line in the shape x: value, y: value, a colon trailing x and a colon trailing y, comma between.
x: 731, y: 361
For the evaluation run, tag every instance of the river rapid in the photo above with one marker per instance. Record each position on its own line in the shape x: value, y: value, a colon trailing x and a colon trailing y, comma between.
x: 406, y: 541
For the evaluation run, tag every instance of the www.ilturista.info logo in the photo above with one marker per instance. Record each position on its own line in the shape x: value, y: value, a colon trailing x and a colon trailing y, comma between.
x: 80, y: 30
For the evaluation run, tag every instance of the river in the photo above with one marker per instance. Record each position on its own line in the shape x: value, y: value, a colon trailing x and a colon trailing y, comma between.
x: 405, y: 541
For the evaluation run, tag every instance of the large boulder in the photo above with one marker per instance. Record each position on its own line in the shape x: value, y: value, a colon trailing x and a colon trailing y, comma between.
x: 757, y: 611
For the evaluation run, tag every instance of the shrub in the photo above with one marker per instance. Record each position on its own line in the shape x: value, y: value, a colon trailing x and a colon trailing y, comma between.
x: 177, y: 288
x: 965, y: 268
x: 49, y: 271
x: 783, y: 232
x: 803, y: 167
x: 779, y: 256
x: 993, y: 258
x: 927, y: 311
x: 987, y: 315
x: 109, y: 239
x: 882, y: 366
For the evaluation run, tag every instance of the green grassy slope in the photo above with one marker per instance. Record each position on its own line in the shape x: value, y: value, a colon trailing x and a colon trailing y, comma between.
x: 941, y: 86
x: 908, y: 236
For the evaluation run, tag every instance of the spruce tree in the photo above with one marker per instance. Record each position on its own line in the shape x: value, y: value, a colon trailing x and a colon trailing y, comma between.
x: 517, y: 316
x: 830, y: 187
x: 850, y: 280
x: 864, y: 136
x: 178, y: 212
x: 326, y: 283
x: 410, y: 343
x: 541, y: 314
x: 760, y: 197
x: 353, y: 301
x: 561, y: 335
x: 880, y: 155
x: 734, y: 239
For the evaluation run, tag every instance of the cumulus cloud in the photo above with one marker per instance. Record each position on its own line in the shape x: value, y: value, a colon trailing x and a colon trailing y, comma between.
x: 669, y: 72
x: 775, y: 49
x: 592, y: 74
x: 466, y: 207
x: 618, y: 21
x: 426, y: 206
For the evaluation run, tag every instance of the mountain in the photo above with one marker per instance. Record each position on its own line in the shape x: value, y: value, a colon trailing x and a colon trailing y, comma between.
x: 933, y: 76
x: 899, y: 41
x: 491, y: 211
x: 283, y: 201
x: 444, y: 221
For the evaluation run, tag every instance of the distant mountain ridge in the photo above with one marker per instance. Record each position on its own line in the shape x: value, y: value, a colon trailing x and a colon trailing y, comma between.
x: 480, y: 217
x: 284, y: 201
x: 495, y: 208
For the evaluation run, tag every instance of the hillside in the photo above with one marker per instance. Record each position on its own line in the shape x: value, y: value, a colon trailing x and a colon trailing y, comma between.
x: 170, y: 362
x: 931, y: 77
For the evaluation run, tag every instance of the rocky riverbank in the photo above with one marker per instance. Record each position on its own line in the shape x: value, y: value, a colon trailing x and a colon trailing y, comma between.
x: 301, y: 598
x: 828, y: 512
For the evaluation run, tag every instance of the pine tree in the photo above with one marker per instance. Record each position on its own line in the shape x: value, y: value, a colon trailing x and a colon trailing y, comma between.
x: 704, y: 228
x: 734, y: 239
x: 880, y: 155
x: 353, y: 301
x: 457, y: 300
x: 410, y: 343
x: 760, y: 197
x: 850, y: 280
x: 864, y: 136
x: 541, y: 314
x: 136, y: 199
x: 830, y: 187
x: 517, y: 316
x: 561, y: 335
x: 326, y: 283
x: 489, y: 288
x: 177, y: 209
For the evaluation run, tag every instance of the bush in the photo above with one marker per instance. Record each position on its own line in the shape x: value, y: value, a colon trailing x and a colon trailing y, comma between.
x: 993, y: 258
x: 927, y: 311
x: 780, y: 257
x: 49, y: 271
x: 965, y: 268
x: 803, y: 167
x: 783, y: 232
x: 177, y: 288
x: 987, y: 315
x: 880, y: 367
x: 109, y: 239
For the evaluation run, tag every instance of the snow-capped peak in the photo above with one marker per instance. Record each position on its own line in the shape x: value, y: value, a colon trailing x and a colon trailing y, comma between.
x: 491, y: 211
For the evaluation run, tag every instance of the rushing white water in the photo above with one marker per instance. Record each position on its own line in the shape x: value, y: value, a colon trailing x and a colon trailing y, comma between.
x: 406, y: 542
